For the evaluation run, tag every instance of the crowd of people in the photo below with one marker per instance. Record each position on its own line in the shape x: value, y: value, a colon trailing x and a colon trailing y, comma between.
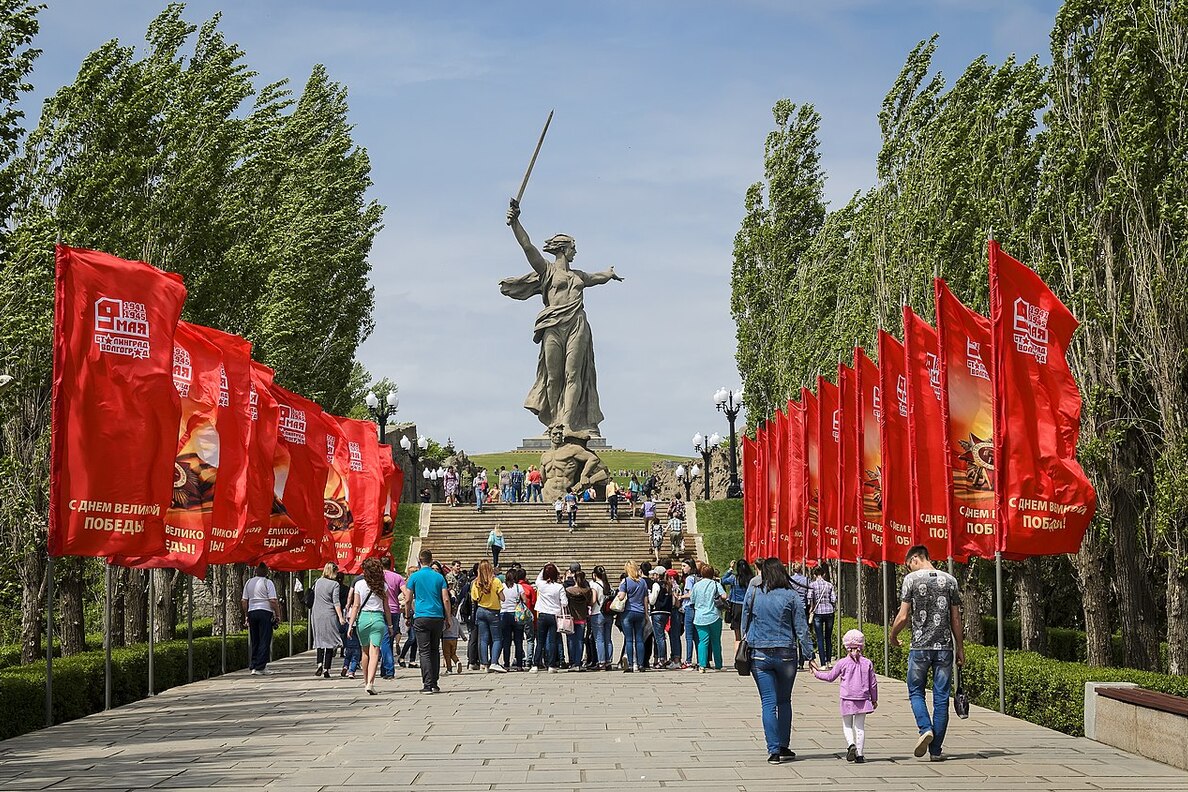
x: 667, y: 619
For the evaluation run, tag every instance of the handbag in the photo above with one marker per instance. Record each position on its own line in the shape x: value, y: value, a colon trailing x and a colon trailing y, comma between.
x: 565, y: 622
x: 619, y: 603
x: 960, y: 699
x: 742, y: 654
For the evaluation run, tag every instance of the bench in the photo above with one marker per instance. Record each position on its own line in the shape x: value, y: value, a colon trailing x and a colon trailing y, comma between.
x: 1143, y: 722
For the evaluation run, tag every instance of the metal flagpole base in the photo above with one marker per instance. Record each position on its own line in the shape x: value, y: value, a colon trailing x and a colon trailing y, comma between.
x: 152, y: 625
x: 1001, y: 652
x: 189, y: 628
x: 107, y: 636
x: 886, y: 626
x: 226, y: 621
x: 49, y: 641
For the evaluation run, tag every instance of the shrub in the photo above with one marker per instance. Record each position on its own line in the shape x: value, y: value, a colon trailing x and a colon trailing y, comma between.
x: 79, y: 684
x: 10, y: 654
x: 720, y: 524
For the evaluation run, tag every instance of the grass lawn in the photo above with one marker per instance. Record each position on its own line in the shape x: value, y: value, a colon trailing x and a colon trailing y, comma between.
x: 614, y: 460
x: 721, y: 523
x: 407, y: 525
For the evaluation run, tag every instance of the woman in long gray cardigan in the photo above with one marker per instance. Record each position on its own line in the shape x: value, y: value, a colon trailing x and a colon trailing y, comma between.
x: 326, y: 617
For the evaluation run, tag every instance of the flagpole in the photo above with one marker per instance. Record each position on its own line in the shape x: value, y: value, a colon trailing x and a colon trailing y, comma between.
x: 49, y: 641
x: 289, y: 609
x: 106, y: 636
x: 309, y: 618
x: 226, y: 621
x: 840, y: 605
x: 861, y: 591
x: 152, y: 625
x: 189, y: 628
x: 1001, y: 657
x: 886, y: 626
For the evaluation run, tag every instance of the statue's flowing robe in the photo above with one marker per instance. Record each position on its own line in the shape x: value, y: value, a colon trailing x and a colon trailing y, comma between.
x: 581, y: 412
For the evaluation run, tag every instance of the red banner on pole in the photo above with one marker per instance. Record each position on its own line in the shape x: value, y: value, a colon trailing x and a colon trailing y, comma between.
x: 1044, y: 499
x: 115, y: 411
x: 393, y: 477
x: 849, y: 462
x: 781, y: 524
x: 828, y: 462
x: 896, y: 451
x: 229, y: 515
x: 299, y: 473
x: 870, y: 457
x: 967, y: 402
x: 931, y: 484
x: 795, y: 474
x: 812, y: 471
x: 750, y: 468
x: 368, y: 499
x: 196, y: 368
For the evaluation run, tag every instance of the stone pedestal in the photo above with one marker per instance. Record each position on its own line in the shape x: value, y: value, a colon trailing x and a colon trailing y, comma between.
x: 543, y: 443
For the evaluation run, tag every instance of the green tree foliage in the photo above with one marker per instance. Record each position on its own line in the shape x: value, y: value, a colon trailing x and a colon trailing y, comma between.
x: 1095, y: 200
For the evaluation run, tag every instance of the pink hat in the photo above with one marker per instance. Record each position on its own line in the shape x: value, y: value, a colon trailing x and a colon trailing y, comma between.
x: 854, y: 639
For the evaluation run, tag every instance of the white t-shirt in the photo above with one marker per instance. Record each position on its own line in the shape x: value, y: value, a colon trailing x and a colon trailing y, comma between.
x: 550, y: 597
x: 599, y: 594
x: 509, y: 598
x: 374, y: 603
x: 258, y: 591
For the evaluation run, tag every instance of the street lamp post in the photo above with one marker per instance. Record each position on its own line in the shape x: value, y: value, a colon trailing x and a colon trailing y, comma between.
x: 730, y: 402
x: 686, y: 478
x: 414, y: 451
x: 705, y: 446
x: 382, y: 411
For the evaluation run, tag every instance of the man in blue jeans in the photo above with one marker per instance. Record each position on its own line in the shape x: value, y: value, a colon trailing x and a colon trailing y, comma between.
x: 931, y: 601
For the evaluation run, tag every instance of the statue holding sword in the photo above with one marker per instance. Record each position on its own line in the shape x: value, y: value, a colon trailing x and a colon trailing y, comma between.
x: 566, y: 389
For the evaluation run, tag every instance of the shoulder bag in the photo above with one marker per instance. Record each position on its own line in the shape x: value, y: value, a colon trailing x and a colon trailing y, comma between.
x: 565, y: 622
x: 359, y: 612
x: 742, y: 654
x: 960, y: 699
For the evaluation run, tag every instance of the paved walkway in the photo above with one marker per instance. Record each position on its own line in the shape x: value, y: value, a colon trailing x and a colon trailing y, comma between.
x: 528, y: 732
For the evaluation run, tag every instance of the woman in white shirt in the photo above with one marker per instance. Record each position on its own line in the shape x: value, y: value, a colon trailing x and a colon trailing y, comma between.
x: 601, y: 621
x: 369, y: 615
x: 550, y: 599
x: 511, y: 596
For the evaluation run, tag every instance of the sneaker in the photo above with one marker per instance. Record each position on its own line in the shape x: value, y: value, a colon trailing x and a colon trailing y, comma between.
x: 533, y: 670
x: 435, y: 689
x: 923, y: 743
x: 701, y: 669
x: 351, y: 675
x: 937, y: 757
x: 497, y: 668
x: 326, y: 675
x: 255, y: 672
x: 787, y: 754
x: 370, y: 689
x: 266, y: 672
x: 344, y: 672
x: 426, y: 689
x: 629, y: 670
x: 319, y: 671
x: 774, y: 759
x: 851, y: 753
x: 553, y: 671
x: 859, y: 759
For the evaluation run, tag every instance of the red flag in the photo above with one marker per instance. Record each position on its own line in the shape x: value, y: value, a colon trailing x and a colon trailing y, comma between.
x: 299, y: 472
x: 896, y: 452
x: 927, y: 432
x: 967, y: 402
x: 795, y: 473
x: 196, y: 367
x: 849, y: 492
x: 394, y: 476
x: 812, y: 478
x: 870, y: 457
x: 367, y: 497
x: 1044, y: 500
x: 829, y: 438
x: 262, y: 454
x: 781, y: 524
x: 318, y: 548
x: 750, y: 497
x: 229, y: 514
x: 115, y: 411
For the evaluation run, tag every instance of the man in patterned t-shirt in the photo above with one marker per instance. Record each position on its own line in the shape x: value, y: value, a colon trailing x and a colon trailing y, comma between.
x: 931, y: 601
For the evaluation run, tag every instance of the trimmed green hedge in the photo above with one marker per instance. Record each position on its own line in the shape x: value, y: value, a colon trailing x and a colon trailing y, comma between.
x: 720, y: 524
x: 79, y: 683
x: 10, y: 654
x: 1047, y: 692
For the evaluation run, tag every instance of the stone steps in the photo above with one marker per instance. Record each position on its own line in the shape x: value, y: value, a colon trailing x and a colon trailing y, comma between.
x: 533, y: 537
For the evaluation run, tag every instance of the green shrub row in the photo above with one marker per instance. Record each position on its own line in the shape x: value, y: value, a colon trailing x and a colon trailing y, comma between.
x: 79, y: 679
x: 1041, y: 690
x: 10, y: 654
x: 1063, y: 644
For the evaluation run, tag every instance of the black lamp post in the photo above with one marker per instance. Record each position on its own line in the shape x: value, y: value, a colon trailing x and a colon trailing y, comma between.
x: 730, y: 402
x: 686, y: 477
x: 382, y: 411
x: 705, y: 446
x: 414, y: 451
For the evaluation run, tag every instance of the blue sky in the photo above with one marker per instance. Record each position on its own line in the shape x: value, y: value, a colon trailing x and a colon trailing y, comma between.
x: 661, y: 113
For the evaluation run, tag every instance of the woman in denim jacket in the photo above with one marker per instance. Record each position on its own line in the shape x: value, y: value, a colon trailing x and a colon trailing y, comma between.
x: 774, y: 624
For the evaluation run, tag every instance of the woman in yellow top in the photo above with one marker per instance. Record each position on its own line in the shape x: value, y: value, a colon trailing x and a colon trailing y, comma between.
x: 486, y: 593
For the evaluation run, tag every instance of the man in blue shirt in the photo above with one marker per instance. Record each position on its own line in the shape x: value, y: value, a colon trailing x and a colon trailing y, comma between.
x: 429, y: 597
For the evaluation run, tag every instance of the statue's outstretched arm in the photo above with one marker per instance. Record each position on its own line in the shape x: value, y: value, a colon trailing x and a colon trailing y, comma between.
x: 534, y: 256
x: 599, y: 278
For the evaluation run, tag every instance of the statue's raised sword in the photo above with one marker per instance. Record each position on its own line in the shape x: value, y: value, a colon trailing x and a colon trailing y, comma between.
x: 516, y: 201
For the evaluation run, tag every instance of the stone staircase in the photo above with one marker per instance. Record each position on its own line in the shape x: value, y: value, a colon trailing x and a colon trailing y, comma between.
x: 533, y: 537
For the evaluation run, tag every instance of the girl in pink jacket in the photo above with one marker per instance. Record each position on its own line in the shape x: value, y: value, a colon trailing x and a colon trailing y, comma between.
x: 859, y: 692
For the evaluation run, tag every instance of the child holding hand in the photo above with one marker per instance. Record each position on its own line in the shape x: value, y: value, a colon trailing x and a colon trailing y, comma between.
x: 859, y: 691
